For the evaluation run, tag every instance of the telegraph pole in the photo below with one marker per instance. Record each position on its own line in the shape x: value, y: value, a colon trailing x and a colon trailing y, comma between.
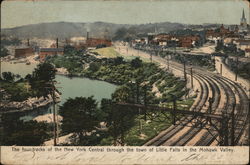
x: 191, y: 73
x: 221, y: 69
x: 236, y: 74
x: 145, y: 102
x: 54, y: 113
x: 233, y: 129
x: 53, y: 90
x: 185, y: 75
x: 174, y: 110
x: 210, y: 100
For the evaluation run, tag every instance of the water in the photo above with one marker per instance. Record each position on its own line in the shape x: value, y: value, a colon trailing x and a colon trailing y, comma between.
x: 19, y: 68
x: 69, y: 87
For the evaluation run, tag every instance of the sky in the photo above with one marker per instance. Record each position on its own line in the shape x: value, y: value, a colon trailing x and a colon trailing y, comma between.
x: 17, y: 13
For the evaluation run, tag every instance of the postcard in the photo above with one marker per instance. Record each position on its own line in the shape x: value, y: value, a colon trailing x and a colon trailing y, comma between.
x: 124, y: 82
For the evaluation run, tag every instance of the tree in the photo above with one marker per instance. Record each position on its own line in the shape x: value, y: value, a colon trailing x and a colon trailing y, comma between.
x: 45, y: 72
x: 79, y: 117
x: 123, y: 94
x: 3, y: 52
x: 119, y: 120
x: 8, y: 76
x: 68, y: 49
x: 94, y: 66
x: 118, y: 60
x: 219, y: 46
x: 18, y: 132
x: 41, y: 77
x: 136, y: 63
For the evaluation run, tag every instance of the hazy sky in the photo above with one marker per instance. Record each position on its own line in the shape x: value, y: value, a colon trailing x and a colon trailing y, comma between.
x: 16, y: 13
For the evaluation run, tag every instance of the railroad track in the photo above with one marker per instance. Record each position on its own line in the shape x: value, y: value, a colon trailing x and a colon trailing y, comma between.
x: 186, y: 132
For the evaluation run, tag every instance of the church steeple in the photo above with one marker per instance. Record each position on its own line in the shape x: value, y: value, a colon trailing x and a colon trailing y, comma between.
x: 243, y: 21
x: 243, y: 14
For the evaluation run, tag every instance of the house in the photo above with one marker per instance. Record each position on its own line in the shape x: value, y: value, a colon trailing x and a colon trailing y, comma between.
x: 23, y: 52
x: 44, y: 52
x: 188, y: 41
x: 242, y: 43
x: 247, y: 52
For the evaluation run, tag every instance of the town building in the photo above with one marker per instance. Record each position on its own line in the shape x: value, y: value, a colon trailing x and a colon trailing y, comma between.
x: 242, y: 43
x: 23, y: 52
x: 44, y: 52
x: 94, y: 42
x: 247, y: 52
x: 219, y: 33
x: 188, y: 41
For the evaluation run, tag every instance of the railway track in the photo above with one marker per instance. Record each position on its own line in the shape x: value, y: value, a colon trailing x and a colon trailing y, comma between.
x: 186, y: 132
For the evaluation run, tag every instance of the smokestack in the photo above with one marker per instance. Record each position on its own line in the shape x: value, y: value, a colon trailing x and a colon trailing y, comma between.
x: 56, y: 42
x: 28, y: 42
x: 87, y: 35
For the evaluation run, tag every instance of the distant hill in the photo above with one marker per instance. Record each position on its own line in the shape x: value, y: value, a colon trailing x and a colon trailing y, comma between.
x: 64, y: 30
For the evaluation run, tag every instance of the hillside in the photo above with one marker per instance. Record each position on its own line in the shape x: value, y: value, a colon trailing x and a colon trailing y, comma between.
x: 64, y: 30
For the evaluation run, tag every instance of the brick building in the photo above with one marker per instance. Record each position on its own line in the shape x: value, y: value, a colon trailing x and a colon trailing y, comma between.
x: 94, y: 42
x: 188, y: 41
x: 44, y: 52
x: 23, y: 52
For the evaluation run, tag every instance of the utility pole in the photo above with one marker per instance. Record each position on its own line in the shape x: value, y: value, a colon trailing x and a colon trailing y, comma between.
x: 185, y: 75
x: 137, y: 102
x: 54, y: 113
x: 233, y: 129
x: 210, y: 100
x: 221, y: 69
x: 237, y: 63
x: 174, y: 110
x: 145, y: 101
x: 53, y: 90
x: 191, y: 73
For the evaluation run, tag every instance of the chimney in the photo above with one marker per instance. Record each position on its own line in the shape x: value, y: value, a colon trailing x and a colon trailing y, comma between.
x: 87, y: 35
x: 56, y: 42
x: 28, y: 42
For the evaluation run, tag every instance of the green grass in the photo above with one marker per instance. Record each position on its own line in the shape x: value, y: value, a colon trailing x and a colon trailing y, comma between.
x: 110, y: 52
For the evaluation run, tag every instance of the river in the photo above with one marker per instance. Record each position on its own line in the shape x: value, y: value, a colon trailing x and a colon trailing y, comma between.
x: 69, y: 87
